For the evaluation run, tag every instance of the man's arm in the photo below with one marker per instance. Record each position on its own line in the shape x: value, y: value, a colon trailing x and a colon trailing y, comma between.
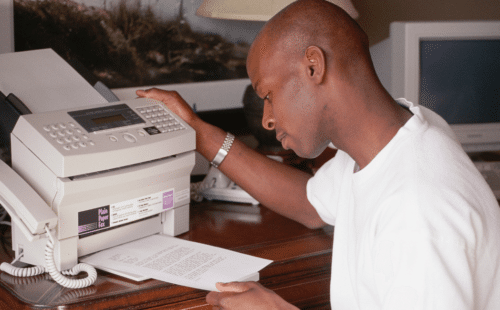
x: 279, y: 187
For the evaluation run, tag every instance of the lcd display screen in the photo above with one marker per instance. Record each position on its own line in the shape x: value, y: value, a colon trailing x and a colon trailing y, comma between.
x: 109, y: 119
x: 460, y: 79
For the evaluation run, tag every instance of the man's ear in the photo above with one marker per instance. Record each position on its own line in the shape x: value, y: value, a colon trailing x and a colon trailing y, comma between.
x: 315, y: 63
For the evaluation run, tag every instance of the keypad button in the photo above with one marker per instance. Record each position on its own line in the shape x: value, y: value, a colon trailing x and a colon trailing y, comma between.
x: 46, y: 128
x: 130, y: 138
x: 67, y: 147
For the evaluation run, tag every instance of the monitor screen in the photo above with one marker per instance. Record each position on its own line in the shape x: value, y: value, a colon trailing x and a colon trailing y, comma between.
x: 460, y: 79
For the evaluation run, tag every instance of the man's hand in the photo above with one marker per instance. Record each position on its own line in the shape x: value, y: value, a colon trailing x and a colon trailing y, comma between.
x: 245, y: 295
x: 173, y: 101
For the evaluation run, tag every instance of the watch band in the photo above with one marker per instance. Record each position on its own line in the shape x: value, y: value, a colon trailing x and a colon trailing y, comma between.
x: 221, y: 154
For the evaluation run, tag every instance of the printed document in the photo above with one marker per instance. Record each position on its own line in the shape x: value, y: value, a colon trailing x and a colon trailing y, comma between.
x: 177, y: 261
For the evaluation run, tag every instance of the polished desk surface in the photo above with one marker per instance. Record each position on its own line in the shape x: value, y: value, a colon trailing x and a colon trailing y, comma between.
x: 300, y: 271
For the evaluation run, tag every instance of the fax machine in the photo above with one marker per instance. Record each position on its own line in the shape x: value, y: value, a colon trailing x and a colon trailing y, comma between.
x: 96, y: 177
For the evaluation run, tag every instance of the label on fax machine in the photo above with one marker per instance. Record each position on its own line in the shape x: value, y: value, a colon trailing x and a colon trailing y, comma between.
x: 91, y: 221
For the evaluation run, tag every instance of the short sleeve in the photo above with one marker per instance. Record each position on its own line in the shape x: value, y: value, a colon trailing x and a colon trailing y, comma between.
x: 326, y: 189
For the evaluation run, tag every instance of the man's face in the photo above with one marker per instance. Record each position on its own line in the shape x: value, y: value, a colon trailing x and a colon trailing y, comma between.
x: 289, y: 100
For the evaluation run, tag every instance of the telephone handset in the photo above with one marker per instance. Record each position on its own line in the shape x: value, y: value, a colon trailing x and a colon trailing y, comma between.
x: 24, y: 205
x: 217, y: 186
x: 34, y: 218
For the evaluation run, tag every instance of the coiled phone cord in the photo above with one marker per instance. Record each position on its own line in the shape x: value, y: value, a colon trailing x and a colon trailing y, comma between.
x: 52, y: 269
x: 21, y: 272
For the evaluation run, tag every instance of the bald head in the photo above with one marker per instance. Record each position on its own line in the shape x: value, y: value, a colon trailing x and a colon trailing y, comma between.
x: 311, y: 63
x: 307, y: 23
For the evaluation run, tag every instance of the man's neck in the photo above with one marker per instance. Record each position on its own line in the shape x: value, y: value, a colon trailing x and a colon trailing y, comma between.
x: 376, y: 134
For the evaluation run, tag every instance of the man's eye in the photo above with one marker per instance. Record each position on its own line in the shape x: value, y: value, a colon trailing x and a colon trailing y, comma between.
x: 267, y: 98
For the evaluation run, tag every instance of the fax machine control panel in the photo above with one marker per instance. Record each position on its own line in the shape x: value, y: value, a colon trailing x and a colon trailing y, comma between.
x: 104, y: 136
x: 70, y: 135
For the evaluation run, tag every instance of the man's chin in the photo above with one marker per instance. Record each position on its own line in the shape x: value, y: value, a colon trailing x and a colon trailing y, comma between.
x: 312, y: 154
x: 304, y: 154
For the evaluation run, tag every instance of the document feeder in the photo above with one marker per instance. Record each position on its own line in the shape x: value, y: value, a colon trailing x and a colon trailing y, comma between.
x: 111, y: 173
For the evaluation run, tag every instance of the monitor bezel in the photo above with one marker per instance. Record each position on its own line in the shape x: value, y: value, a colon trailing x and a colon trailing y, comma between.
x: 405, y: 69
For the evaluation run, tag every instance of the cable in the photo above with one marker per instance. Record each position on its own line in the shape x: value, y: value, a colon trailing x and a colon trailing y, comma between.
x: 52, y: 269
x: 59, y: 277
x: 21, y: 272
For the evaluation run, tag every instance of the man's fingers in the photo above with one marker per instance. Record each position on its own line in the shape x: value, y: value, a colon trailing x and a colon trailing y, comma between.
x: 236, y: 287
x: 216, y: 298
x: 226, y: 290
x: 154, y: 93
x: 145, y: 93
x: 171, y: 100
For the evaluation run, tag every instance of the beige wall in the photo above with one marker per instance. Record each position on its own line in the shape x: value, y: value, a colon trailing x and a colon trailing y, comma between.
x: 376, y: 15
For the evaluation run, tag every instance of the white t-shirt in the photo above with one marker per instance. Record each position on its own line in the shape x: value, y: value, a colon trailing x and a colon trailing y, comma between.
x: 417, y: 228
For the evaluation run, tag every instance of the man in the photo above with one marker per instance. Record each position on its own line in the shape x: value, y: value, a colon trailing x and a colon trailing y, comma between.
x: 416, y: 226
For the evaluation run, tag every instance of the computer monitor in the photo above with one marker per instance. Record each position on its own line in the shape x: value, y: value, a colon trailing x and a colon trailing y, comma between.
x: 452, y: 68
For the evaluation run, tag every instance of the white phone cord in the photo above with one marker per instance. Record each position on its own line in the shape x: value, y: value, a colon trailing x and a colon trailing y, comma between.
x: 21, y: 272
x: 52, y: 270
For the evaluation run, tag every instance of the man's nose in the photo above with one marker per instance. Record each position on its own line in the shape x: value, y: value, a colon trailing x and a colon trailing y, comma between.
x: 268, y: 120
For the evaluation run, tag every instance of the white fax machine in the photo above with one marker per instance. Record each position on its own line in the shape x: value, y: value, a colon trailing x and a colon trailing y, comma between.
x: 97, y: 176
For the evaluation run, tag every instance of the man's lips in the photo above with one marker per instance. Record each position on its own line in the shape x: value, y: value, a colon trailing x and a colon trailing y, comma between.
x: 280, y: 136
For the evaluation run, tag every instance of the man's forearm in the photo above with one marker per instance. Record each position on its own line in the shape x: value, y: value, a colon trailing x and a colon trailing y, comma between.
x: 277, y: 186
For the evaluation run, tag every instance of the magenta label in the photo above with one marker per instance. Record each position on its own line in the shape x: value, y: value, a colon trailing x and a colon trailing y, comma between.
x: 168, y: 200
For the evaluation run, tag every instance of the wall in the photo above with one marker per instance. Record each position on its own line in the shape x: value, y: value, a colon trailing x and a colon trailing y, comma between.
x: 376, y: 15
x: 6, y: 26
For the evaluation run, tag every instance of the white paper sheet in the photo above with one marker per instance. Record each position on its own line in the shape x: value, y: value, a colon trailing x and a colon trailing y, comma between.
x: 44, y: 81
x: 178, y: 261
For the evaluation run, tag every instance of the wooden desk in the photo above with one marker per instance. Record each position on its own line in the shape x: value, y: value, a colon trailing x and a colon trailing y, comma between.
x: 300, y: 272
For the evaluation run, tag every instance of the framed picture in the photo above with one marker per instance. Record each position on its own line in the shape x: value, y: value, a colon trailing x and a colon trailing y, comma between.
x: 126, y: 43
